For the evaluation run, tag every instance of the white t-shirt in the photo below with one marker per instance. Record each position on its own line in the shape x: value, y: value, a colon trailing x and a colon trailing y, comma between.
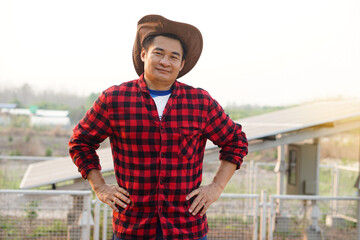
x: 160, y: 98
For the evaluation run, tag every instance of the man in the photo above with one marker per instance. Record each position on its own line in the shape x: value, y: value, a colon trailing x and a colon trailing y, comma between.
x: 158, y: 128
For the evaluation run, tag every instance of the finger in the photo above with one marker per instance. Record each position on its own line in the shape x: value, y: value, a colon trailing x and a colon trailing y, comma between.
x: 112, y: 205
x: 122, y: 197
x: 193, y: 193
x: 122, y: 190
x: 198, y: 208
x: 195, y: 204
x: 120, y: 203
x: 205, y: 208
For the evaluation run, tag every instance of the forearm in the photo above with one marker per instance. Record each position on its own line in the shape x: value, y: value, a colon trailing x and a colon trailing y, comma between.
x: 95, y: 179
x: 224, y: 173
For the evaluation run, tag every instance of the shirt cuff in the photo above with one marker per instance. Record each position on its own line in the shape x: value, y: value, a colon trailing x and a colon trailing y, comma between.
x: 85, y: 171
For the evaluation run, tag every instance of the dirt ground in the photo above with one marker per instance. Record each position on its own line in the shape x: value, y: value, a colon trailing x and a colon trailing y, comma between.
x: 30, y: 142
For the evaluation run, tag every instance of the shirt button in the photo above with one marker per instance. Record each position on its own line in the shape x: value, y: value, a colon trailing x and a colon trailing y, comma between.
x: 162, y: 154
x: 161, y: 181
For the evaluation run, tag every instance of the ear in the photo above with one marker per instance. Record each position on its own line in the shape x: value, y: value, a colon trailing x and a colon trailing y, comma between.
x: 182, y: 64
x: 142, y: 54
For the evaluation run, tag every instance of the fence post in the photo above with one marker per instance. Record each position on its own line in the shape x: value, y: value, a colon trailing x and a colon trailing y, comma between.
x: 256, y: 214
x: 104, y: 233
x: 252, y: 180
x: 271, y: 219
x: 263, y: 215
x: 85, y: 220
x: 97, y: 219
x: 280, y: 169
x: 335, y: 192
x: 89, y: 216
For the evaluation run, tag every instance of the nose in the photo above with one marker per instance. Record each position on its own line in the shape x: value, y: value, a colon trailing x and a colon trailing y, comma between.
x: 165, y: 61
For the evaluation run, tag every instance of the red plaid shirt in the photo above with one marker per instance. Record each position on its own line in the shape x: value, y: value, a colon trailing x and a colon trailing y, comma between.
x: 158, y: 162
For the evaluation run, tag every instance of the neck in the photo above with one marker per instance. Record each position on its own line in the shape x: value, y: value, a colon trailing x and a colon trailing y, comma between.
x: 158, y: 86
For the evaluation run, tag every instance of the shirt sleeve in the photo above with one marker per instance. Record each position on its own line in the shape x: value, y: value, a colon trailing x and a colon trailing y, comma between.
x: 225, y: 133
x: 87, y: 136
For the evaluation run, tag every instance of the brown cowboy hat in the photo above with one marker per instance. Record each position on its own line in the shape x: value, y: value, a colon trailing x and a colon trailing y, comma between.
x: 155, y: 25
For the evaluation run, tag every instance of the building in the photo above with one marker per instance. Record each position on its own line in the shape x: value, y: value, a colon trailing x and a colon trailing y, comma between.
x: 36, y: 117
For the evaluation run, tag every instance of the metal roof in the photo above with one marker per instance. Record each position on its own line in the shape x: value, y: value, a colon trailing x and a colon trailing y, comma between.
x: 256, y: 127
x: 300, y: 117
x: 60, y: 170
x: 8, y: 105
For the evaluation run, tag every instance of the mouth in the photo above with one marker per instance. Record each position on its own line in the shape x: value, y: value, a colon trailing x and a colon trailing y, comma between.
x: 162, y: 70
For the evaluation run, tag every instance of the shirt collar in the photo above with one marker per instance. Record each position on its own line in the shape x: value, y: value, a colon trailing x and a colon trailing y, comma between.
x: 175, y: 90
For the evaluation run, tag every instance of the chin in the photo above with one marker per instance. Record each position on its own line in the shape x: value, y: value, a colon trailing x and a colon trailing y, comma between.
x: 165, y: 79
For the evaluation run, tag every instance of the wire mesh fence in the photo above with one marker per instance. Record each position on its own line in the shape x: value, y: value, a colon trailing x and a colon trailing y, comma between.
x: 65, y: 215
x: 68, y: 215
x: 313, y: 217
x: 45, y: 215
x: 231, y: 217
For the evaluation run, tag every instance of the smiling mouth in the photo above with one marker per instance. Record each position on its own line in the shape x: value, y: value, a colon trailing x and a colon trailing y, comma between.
x: 163, y: 70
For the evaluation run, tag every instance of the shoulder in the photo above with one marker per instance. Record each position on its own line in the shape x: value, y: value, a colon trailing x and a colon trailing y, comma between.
x: 190, y: 91
x: 121, y: 88
x: 198, y: 96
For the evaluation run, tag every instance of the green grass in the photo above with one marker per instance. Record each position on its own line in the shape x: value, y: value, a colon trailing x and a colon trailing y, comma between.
x: 9, y: 179
x: 57, y: 227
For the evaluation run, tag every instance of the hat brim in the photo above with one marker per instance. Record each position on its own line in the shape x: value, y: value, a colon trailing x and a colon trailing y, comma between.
x: 157, y: 25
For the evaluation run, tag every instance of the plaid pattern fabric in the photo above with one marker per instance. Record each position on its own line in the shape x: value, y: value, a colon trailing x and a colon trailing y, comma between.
x: 157, y: 162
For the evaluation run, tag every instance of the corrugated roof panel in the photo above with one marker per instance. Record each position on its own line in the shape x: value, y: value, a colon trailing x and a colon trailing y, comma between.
x: 61, y: 169
x: 300, y: 117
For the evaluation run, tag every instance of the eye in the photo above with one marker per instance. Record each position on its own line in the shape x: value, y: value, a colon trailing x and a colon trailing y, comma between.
x: 158, y: 53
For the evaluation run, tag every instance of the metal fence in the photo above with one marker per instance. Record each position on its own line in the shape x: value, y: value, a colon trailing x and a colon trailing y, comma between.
x: 44, y: 214
x: 234, y: 216
x: 313, y: 217
x: 68, y: 215
x: 231, y: 217
x: 246, y: 216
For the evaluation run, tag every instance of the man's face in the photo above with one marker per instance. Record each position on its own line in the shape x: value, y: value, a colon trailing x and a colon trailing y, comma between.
x: 162, y: 62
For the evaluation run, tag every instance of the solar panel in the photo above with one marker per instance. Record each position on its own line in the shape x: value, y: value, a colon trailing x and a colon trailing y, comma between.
x: 300, y: 117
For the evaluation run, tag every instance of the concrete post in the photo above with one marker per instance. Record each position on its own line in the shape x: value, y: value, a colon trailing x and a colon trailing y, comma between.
x: 263, y: 215
x: 280, y: 168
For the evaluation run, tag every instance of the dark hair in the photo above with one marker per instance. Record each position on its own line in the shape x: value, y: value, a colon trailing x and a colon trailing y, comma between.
x: 150, y: 39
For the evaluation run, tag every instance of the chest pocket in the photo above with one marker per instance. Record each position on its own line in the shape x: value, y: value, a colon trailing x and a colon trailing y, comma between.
x: 188, y: 142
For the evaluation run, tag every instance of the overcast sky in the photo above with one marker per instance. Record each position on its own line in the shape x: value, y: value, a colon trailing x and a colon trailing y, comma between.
x: 263, y: 52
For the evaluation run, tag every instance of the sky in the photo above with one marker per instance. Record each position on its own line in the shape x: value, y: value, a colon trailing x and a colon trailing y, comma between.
x: 258, y: 52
